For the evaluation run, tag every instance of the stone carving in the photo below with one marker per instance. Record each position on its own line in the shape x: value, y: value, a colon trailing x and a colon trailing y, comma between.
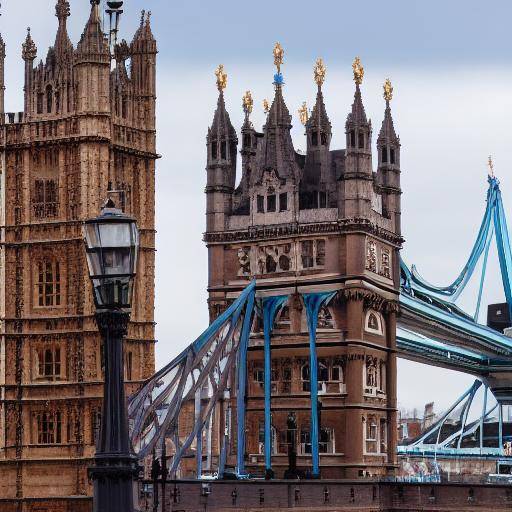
x: 244, y: 261
x: 275, y: 258
x: 385, y: 266
x: 371, y: 256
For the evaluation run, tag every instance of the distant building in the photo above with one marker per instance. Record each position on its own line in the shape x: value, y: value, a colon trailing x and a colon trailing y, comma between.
x: 498, y: 316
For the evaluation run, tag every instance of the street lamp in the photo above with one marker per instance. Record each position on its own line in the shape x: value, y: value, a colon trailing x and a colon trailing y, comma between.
x: 112, y: 243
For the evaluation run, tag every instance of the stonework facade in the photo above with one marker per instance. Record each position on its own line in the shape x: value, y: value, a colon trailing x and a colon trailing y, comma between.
x: 300, y: 223
x: 87, y: 132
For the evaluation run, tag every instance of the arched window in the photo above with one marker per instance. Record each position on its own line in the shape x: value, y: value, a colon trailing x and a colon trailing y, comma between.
x: 247, y: 140
x: 392, y: 155
x: 49, y: 99
x: 223, y: 150
x: 40, y: 101
x: 314, y: 138
x: 371, y: 434
x: 373, y: 322
x: 384, y: 155
x: 124, y: 107
x: 48, y: 283
x: 214, y: 149
x: 323, y: 138
x: 304, y: 375
x: 352, y: 138
x: 361, y: 140
x: 57, y: 102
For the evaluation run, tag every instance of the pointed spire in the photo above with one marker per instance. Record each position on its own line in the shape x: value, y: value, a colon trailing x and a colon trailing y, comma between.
x: 2, y: 47
x: 221, y: 126
x: 319, y: 117
x: 144, y: 34
x: 29, y: 49
x: 62, y: 42
x: 387, y: 132
x: 93, y: 41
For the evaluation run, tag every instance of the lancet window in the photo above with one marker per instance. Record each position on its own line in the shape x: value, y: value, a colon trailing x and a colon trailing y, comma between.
x: 49, y: 363
x: 49, y: 427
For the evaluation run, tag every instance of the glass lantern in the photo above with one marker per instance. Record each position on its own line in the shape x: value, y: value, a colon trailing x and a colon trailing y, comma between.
x: 112, y: 245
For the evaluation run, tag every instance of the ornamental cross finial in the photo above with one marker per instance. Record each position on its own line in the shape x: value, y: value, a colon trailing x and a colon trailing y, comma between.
x: 222, y: 78
x: 247, y: 103
x: 388, y: 90
x: 266, y: 106
x: 278, y: 56
x: 491, y: 166
x: 358, y: 69
x: 303, y: 113
x: 142, y: 16
x: 319, y: 72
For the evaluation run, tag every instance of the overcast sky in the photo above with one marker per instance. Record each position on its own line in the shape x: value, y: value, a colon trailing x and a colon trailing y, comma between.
x: 450, y: 64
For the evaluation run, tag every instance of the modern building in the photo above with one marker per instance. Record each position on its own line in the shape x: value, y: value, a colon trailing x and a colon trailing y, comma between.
x: 87, y: 132
x: 313, y: 222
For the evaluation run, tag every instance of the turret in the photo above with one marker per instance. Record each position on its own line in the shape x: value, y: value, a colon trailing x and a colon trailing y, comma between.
x: 92, y: 66
x: 143, y: 66
x: 2, y: 76
x: 221, y: 162
x: 355, y: 200
x: 317, y: 180
x: 248, y: 153
x: 388, y: 147
x: 29, y: 53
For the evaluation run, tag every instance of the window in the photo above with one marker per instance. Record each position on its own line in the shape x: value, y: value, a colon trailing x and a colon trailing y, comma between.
x: 304, y: 374
x: 371, y: 434
x: 49, y: 428
x: 352, y: 138
x: 49, y: 363
x: 57, y: 102
x: 323, y: 372
x: 360, y: 139
x: 392, y: 155
x: 305, y: 441
x: 40, y: 100
x: 223, y: 152
x: 383, y: 436
x: 214, y: 149
x: 259, y: 376
x: 320, y: 252
x: 307, y: 253
x: 128, y: 365
x: 95, y: 425
x: 323, y: 138
x: 283, y: 202
x: 49, y: 99
x: 314, y: 138
x: 325, y: 441
x: 322, y: 199
x: 271, y: 203
x: 384, y: 155
x: 48, y: 283
x: 45, y: 198
x: 247, y: 140
x: 337, y: 373
x: 260, y: 204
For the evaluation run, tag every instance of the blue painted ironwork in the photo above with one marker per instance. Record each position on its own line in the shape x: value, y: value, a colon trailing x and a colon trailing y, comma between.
x: 270, y: 307
x: 242, y: 383
x: 313, y: 303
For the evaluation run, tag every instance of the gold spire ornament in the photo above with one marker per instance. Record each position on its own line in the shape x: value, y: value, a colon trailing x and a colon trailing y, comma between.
x: 358, y: 69
x: 247, y: 103
x: 303, y: 113
x: 388, y: 90
x: 222, y: 78
x: 491, y: 167
x: 266, y: 106
x: 319, y: 72
x: 278, y: 56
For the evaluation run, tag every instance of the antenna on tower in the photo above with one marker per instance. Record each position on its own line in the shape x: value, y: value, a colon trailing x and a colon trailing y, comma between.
x: 114, y: 11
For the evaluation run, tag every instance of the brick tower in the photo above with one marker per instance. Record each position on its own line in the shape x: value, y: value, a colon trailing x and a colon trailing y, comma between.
x: 313, y: 222
x: 87, y: 132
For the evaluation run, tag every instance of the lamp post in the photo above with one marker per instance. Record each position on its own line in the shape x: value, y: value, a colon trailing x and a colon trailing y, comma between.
x: 112, y: 243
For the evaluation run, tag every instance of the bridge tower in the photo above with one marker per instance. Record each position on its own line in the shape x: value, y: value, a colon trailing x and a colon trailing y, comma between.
x: 322, y: 221
x: 87, y: 131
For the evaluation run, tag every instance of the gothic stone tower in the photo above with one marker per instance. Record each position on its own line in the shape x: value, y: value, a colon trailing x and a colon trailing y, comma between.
x: 87, y: 132
x: 299, y: 223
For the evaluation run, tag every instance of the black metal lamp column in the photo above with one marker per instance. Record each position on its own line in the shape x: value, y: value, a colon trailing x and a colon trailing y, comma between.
x: 112, y: 242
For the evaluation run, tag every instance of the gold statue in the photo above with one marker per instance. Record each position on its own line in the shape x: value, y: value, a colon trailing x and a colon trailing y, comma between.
x: 247, y: 102
x: 278, y: 56
x: 319, y: 72
x: 303, y: 113
x: 358, y: 71
x: 491, y: 167
x: 266, y: 106
x: 388, y: 90
x: 222, y: 78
